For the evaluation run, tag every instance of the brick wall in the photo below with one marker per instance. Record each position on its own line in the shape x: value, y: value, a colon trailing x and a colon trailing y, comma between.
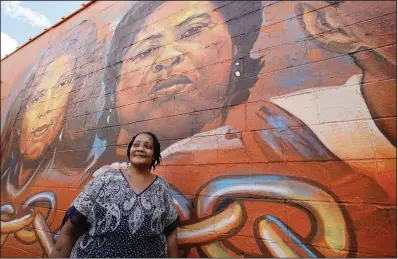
x: 277, y: 122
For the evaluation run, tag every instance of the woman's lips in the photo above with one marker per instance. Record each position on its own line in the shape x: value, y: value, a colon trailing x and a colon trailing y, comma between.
x: 172, y: 85
x: 39, y: 131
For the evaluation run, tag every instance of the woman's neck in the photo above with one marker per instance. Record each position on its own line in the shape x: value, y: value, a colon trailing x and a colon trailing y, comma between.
x: 138, y: 171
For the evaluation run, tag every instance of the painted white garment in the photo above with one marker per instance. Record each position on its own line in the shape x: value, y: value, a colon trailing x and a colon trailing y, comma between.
x: 209, y: 140
x: 340, y: 118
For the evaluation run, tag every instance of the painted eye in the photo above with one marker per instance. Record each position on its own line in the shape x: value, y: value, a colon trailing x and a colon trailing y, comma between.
x: 192, y: 31
x: 63, y: 83
x: 147, y: 52
x: 36, y: 98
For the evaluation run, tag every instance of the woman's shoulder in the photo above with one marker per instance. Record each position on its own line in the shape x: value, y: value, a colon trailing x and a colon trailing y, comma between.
x: 115, y: 167
x: 108, y: 172
x: 163, y: 182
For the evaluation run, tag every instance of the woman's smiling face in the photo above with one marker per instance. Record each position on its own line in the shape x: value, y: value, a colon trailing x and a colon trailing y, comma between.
x: 184, y: 59
x: 46, y: 108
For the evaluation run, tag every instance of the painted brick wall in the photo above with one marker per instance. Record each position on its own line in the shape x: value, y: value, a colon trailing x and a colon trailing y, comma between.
x: 277, y: 121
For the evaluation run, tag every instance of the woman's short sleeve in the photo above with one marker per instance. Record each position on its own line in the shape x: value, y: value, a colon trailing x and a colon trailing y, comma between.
x: 81, y: 206
x: 86, y: 198
x: 172, y: 220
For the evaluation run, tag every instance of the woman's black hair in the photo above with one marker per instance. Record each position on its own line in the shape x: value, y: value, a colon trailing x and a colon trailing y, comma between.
x: 243, y: 34
x: 81, y: 42
x: 156, y: 146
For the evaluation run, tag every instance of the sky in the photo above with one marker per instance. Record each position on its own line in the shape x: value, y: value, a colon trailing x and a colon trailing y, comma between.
x: 21, y: 20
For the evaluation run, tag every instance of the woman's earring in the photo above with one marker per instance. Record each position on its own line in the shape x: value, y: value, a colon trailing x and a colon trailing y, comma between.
x: 109, y: 116
x: 237, y: 72
x: 60, y: 135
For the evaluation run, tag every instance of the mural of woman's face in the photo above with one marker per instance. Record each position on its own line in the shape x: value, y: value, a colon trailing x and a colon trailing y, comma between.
x: 46, y: 108
x: 173, y: 60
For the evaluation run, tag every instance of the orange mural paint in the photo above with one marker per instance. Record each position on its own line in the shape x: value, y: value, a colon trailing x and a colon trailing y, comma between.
x: 276, y: 120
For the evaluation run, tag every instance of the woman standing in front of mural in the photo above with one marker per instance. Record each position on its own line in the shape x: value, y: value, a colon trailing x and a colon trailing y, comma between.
x: 197, y: 61
x: 130, y: 212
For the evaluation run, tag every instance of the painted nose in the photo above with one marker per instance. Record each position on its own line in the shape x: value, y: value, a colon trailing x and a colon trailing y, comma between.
x: 44, y: 109
x: 168, y: 64
x: 168, y: 58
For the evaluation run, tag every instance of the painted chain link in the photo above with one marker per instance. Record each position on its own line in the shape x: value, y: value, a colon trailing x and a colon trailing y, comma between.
x: 211, y: 233
x: 29, y: 225
x: 214, y: 227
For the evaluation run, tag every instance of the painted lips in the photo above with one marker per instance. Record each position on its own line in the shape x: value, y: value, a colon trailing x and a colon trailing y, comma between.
x: 171, y: 85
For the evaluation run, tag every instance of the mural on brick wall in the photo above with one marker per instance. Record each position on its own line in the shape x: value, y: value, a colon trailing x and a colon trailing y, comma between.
x: 276, y: 120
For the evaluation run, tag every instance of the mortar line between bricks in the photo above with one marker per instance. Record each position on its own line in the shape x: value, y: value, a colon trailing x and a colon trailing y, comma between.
x: 18, y: 248
x: 210, y: 109
x: 255, y: 198
x: 239, y: 163
x: 243, y: 131
x: 282, y: 162
x: 251, y: 102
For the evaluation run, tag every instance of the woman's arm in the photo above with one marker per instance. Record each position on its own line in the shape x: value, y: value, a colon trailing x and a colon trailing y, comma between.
x: 67, y: 238
x: 172, y: 247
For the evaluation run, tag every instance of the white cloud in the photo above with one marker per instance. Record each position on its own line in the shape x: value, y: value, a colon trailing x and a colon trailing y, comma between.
x: 15, y: 10
x: 8, y: 44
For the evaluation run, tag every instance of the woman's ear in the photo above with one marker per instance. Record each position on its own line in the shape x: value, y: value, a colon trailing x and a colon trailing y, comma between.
x: 326, y: 28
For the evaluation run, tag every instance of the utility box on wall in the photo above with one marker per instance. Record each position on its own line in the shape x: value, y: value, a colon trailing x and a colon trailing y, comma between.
x: 277, y: 122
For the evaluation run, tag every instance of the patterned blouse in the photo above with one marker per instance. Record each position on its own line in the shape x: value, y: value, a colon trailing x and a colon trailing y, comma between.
x: 121, y: 223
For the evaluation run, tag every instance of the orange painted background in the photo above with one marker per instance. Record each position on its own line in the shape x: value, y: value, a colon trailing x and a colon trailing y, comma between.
x: 277, y: 122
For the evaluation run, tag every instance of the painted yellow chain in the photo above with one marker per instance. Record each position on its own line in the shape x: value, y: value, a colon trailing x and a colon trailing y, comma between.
x: 213, y: 226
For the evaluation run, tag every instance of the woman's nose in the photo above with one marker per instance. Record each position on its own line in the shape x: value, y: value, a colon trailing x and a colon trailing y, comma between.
x: 140, y: 148
x: 168, y: 64
x: 169, y: 58
x: 44, y: 109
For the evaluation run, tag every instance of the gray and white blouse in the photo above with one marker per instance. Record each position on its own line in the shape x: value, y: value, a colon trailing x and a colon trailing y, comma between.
x: 120, y: 222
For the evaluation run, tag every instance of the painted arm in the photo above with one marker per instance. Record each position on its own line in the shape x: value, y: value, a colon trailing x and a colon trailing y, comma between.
x: 67, y: 238
x: 172, y: 247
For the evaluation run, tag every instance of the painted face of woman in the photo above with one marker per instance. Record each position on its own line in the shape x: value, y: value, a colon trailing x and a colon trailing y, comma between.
x: 182, y: 60
x: 46, y: 108
x: 142, y: 151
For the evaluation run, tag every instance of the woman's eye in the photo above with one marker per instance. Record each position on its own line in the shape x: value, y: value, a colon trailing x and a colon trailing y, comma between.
x: 63, y: 83
x: 135, y: 145
x: 146, y: 53
x: 35, y: 99
x: 192, y: 31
